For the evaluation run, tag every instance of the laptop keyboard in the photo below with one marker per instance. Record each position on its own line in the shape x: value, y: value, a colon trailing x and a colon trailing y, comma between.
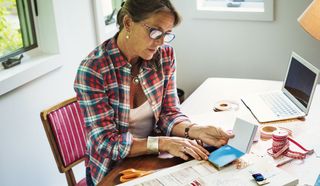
x: 279, y: 105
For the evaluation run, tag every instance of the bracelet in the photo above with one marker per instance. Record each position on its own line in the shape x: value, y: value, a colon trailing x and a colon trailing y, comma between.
x: 186, y: 131
x: 152, y: 145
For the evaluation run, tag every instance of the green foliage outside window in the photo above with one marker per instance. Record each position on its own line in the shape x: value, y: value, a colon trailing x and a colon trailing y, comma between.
x: 10, y: 37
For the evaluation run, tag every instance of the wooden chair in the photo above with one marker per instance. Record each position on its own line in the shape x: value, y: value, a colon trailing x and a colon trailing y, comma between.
x: 64, y: 124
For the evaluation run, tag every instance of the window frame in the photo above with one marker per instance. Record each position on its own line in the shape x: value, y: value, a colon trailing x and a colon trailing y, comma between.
x: 103, y: 31
x: 32, y: 31
x: 41, y: 60
x: 234, y: 13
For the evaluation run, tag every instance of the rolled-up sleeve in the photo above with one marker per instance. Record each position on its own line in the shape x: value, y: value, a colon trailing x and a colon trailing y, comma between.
x: 103, y: 137
x: 170, y: 112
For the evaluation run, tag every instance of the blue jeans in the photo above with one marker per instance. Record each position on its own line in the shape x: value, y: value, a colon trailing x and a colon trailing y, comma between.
x: 88, y: 177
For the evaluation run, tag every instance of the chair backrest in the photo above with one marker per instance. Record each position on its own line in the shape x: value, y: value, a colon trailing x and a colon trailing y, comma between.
x: 64, y: 124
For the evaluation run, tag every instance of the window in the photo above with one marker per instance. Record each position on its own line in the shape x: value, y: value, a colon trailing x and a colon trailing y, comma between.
x: 235, y: 5
x: 17, y: 31
x: 235, y: 9
x: 116, y: 4
x: 105, y: 18
x: 39, y: 61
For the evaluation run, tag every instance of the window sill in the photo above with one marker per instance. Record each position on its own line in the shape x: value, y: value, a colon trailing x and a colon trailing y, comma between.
x: 222, y: 6
x: 103, y: 32
x: 247, y: 11
x: 28, y: 70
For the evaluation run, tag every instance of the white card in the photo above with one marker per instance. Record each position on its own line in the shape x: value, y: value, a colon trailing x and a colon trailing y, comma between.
x: 244, y: 134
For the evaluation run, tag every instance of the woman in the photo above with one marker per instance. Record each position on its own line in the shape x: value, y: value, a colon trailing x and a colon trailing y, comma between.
x: 126, y: 89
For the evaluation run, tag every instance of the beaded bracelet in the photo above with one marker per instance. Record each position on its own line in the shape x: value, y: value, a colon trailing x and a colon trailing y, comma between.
x: 186, y: 131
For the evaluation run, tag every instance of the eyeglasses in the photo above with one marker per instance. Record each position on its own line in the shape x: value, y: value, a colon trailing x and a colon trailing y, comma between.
x: 157, y: 34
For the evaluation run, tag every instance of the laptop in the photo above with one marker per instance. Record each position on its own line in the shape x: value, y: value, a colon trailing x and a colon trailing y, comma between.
x: 294, y: 98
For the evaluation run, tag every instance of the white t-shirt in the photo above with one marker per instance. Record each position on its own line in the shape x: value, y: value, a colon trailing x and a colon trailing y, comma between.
x: 141, y: 121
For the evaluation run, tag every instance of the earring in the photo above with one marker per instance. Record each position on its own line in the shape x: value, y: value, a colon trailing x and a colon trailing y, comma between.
x: 127, y: 36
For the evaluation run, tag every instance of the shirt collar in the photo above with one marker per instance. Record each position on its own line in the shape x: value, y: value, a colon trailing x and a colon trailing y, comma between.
x: 115, y: 54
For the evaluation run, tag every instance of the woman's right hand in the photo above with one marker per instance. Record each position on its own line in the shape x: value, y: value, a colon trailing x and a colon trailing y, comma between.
x: 182, y: 147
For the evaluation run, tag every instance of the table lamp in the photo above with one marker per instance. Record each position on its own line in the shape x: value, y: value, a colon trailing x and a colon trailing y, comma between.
x: 310, y: 19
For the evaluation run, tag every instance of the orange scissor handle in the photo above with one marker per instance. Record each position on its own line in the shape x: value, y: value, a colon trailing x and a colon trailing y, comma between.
x: 130, y: 174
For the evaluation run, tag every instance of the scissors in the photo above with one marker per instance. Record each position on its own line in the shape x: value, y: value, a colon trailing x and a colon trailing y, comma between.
x: 130, y: 174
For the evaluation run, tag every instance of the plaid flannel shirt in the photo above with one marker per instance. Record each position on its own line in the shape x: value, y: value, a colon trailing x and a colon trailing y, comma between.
x: 102, y: 85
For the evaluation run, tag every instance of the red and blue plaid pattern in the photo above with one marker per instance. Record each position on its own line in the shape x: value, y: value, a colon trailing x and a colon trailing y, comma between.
x: 102, y: 85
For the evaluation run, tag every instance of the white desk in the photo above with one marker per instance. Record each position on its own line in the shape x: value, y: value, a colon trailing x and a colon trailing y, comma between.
x: 306, y: 132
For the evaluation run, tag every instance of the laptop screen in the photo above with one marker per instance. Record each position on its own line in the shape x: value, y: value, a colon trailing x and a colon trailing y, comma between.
x: 299, y: 81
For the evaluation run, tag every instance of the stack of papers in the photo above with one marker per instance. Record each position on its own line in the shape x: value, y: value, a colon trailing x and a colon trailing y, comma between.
x: 205, y: 174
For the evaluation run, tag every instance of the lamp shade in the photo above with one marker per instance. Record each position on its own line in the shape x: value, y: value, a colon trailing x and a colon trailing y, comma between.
x: 310, y: 19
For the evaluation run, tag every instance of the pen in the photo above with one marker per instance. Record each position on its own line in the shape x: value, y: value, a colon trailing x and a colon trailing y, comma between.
x: 284, y: 162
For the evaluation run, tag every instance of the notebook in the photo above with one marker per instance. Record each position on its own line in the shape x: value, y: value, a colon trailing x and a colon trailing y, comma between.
x: 238, y: 146
x: 294, y: 98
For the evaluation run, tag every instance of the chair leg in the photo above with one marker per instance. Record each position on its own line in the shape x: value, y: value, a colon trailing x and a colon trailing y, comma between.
x: 70, y: 178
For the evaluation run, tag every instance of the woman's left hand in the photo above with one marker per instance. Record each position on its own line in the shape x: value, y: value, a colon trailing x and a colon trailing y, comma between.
x: 210, y: 135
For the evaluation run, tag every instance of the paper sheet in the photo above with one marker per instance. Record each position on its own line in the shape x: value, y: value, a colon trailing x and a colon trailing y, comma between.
x: 182, y: 174
x: 202, y: 173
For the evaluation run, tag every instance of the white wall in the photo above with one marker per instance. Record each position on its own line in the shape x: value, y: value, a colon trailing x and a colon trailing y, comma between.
x: 240, y: 49
x: 26, y: 157
x: 205, y: 48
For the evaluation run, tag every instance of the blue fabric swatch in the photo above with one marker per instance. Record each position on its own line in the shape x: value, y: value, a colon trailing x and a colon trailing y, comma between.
x: 224, y: 155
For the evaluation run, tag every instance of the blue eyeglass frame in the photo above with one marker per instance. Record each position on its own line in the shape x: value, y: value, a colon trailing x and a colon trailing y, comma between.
x: 159, y: 34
